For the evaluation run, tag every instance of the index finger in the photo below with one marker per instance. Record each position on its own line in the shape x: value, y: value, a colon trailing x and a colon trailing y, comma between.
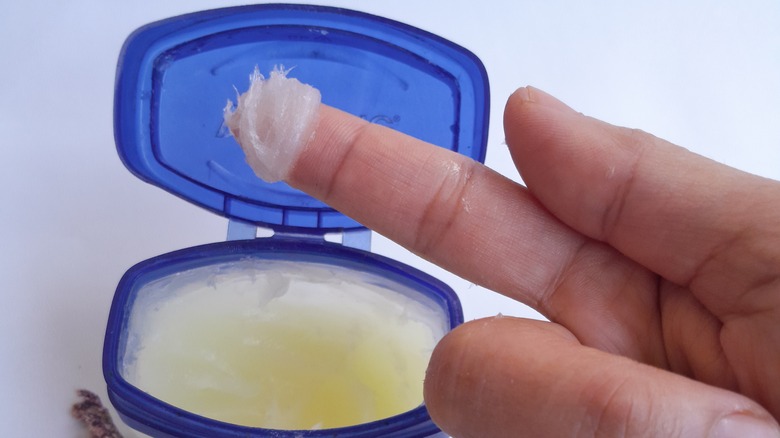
x: 481, y: 226
x: 439, y: 204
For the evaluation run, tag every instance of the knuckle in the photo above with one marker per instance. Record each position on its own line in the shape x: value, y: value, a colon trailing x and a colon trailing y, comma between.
x: 443, y: 209
x: 613, y: 411
x: 635, y: 141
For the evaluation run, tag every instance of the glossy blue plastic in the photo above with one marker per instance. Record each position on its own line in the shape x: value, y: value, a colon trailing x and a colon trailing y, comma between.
x: 156, y: 418
x: 173, y: 79
x: 176, y: 75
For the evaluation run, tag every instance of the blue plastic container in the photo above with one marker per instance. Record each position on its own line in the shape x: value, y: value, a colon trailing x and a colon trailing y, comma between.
x: 173, y: 79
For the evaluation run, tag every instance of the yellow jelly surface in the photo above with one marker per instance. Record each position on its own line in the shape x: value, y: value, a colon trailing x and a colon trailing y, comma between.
x: 282, y: 345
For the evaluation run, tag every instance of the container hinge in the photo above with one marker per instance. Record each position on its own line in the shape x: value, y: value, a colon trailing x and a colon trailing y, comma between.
x: 359, y: 238
x: 239, y: 230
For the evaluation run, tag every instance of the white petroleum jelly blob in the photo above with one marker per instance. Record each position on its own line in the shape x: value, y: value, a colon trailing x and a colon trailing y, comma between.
x: 282, y: 345
x: 274, y: 120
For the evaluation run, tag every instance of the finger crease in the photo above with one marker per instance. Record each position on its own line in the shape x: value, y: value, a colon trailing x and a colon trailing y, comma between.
x: 361, y: 131
x: 614, y: 213
x: 545, y: 302
x: 430, y: 233
x: 704, y: 268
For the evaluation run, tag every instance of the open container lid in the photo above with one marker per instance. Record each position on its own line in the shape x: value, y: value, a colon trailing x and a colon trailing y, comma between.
x: 175, y: 77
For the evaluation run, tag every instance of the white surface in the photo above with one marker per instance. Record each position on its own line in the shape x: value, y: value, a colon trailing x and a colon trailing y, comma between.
x: 701, y: 74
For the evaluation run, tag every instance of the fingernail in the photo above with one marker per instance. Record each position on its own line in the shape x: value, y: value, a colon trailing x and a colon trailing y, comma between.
x: 524, y: 93
x: 744, y: 425
x: 534, y: 95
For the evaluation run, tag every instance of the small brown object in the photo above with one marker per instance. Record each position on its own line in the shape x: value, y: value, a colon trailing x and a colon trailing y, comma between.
x: 91, y: 412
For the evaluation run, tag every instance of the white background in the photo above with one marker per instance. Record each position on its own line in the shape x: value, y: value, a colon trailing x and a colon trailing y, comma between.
x: 703, y: 74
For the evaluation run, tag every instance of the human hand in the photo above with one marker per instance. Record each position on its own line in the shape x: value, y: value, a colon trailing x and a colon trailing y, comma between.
x: 658, y: 269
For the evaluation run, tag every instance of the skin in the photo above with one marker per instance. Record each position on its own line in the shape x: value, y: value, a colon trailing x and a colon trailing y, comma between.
x: 658, y: 269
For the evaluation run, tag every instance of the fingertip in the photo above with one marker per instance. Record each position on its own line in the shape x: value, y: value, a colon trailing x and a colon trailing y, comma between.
x: 532, y: 114
x: 535, y: 123
x: 521, y: 95
x: 530, y: 96
x: 459, y: 389
x: 449, y: 377
x: 519, y: 98
x: 443, y: 368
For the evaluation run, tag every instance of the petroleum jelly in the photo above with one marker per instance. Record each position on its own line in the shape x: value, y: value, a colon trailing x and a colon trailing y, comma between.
x: 273, y: 122
x: 281, y: 344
